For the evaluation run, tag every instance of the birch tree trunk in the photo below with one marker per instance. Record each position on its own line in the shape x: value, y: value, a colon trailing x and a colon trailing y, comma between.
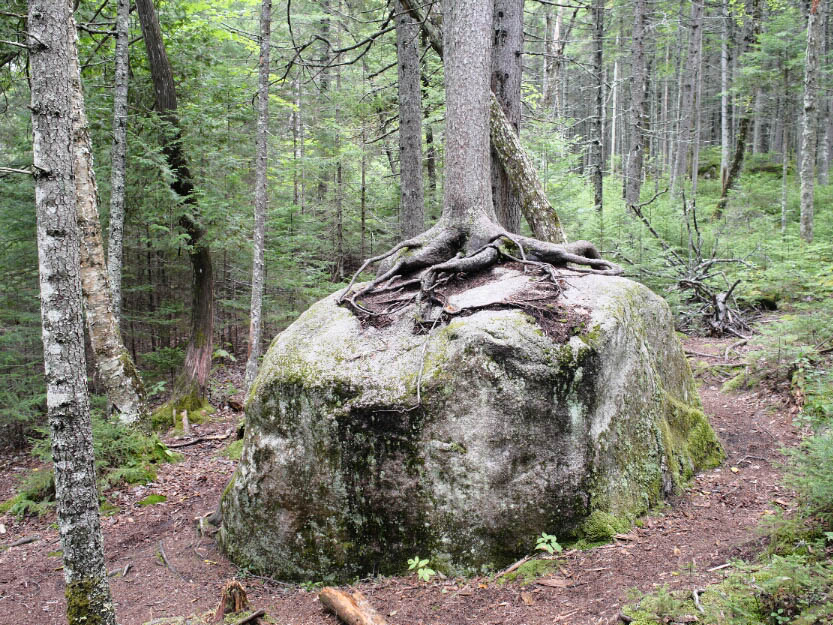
x: 119, y: 156
x: 638, y: 121
x: 113, y: 364
x: 507, y: 55
x: 412, y: 195
x: 261, y: 195
x: 51, y: 34
x: 806, y: 169
x: 190, y: 386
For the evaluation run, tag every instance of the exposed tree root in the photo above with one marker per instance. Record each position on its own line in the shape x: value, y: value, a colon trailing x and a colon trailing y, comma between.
x: 431, y: 258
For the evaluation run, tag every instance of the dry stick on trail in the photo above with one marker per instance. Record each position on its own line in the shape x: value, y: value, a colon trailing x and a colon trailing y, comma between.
x: 353, y: 609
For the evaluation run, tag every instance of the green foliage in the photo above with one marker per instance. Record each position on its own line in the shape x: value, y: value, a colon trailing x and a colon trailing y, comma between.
x: 548, y: 543
x: 602, y: 527
x: 420, y: 565
x: 122, y: 455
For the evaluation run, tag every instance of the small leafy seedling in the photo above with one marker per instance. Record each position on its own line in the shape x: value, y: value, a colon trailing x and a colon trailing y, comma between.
x: 421, y: 568
x: 547, y: 542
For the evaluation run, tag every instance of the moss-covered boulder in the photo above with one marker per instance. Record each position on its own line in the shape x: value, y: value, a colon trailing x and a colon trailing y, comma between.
x: 533, y: 411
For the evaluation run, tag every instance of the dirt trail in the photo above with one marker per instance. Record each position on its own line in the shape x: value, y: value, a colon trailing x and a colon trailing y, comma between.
x: 681, y: 546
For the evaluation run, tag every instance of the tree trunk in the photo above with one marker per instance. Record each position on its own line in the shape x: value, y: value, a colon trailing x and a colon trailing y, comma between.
x: 639, y: 90
x: 119, y: 156
x: 808, y: 123
x: 261, y: 195
x: 507, y: 55
x: 412, y: 197
x: 785, y: 160
x: 724, y: 93
x: 51, y: 34
x: 688, y: 98
x: 750, y: 38
x: 189, y: 390
x: 539, y: 213
x: 467, y: 30
x: 113, y: 364
x: 596, y: 125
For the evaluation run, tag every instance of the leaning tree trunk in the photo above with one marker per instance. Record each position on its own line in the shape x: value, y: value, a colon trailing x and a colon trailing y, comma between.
x: 190, y: 386
x: 507, y: 56
x: 113, y: 364
x: 807, y: 170
x: 749, y: 40
x: 51, y: 33
x: 261, y: 197
x: 535, y: 206
x: 412, y: 195
x: 119, y: 156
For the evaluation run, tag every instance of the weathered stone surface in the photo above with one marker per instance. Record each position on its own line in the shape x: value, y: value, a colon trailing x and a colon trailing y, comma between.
x: 343, y: 473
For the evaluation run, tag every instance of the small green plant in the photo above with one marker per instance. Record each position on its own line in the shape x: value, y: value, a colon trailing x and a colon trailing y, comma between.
x: 547, y: 542
x: 421, y: 568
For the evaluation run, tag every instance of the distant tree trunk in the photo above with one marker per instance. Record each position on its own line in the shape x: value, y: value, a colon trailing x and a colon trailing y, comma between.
x: 596, y: 125
x: 113, y: 364
x: 412, y: 196
x: 51, y: 34
x: 724, y: 93
x: 809, y: 120
x: 190, y: 386
x: 758, y: 117
x: 614, y: 105
x: 824, y: 145
x: 750, y: 38
x: 639, y: 89
x: 685, y: 137
x: 298, y: 149
x: 785, y: 160
x: 119, y: 156
x: 261, y: 195
x: 507, y: 56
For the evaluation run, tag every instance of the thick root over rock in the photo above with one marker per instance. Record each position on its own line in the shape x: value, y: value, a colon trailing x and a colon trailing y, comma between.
x: 433, y: 257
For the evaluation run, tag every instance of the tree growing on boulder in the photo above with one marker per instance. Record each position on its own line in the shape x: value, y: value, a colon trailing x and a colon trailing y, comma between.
x: 467, y: 237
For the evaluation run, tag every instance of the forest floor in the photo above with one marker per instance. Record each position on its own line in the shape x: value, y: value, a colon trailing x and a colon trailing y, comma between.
x: 685, y: 545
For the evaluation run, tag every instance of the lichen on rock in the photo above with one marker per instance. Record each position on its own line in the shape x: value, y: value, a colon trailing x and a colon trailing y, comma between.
x: 344, y: 472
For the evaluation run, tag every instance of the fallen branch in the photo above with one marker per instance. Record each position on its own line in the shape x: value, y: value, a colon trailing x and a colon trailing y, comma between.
x: 250, y: 618
x: 23, y: 541
x: 696, y: 595
x: 512, y: 567
x: 353, y: 609
x: 199, y: 439
x: 168, y: 563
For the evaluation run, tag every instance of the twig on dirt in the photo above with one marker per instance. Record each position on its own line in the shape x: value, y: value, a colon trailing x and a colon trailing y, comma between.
x: 717, y: 568
x: 199, y: 439
x: 625, y: 618
x: 127, y: 567
x: 22, y: 541
x: 251, y: 617
x: 168, y: 563
x: 734, y: 345
x: 696, y: 595
x: 512, y: 567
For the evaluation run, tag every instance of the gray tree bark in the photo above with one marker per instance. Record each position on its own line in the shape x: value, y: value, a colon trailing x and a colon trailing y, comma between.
x: 807, y: 171
x: 412, y: 195
x: 724, y: 93
x: 113, y: 363
x: 596, y: 153
x: 688, y: 98
x: 119, y: 156
x: 507, y: 57
x: 51, y: 34
x: 261, y: 195
x: 638, y: 119
x: 535, y: 206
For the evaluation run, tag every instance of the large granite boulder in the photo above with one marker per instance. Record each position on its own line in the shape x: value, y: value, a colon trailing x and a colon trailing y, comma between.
x: 534, y: 411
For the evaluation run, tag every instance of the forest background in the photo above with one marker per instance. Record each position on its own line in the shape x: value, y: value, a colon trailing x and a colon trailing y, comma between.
x: 721, y: 81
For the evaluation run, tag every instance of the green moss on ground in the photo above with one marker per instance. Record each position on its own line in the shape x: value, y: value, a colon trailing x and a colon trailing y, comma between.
x: 602, y: 526
x: 531, y: 570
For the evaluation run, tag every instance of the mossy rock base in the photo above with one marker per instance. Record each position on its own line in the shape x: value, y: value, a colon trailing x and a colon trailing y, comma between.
x: 198, y: 411
x: 343, y: 472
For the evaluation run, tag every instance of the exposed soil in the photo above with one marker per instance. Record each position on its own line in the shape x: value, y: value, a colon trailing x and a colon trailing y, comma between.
x: 682, y: 545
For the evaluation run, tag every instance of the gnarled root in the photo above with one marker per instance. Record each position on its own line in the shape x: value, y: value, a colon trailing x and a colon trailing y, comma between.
x: 429, y: 259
